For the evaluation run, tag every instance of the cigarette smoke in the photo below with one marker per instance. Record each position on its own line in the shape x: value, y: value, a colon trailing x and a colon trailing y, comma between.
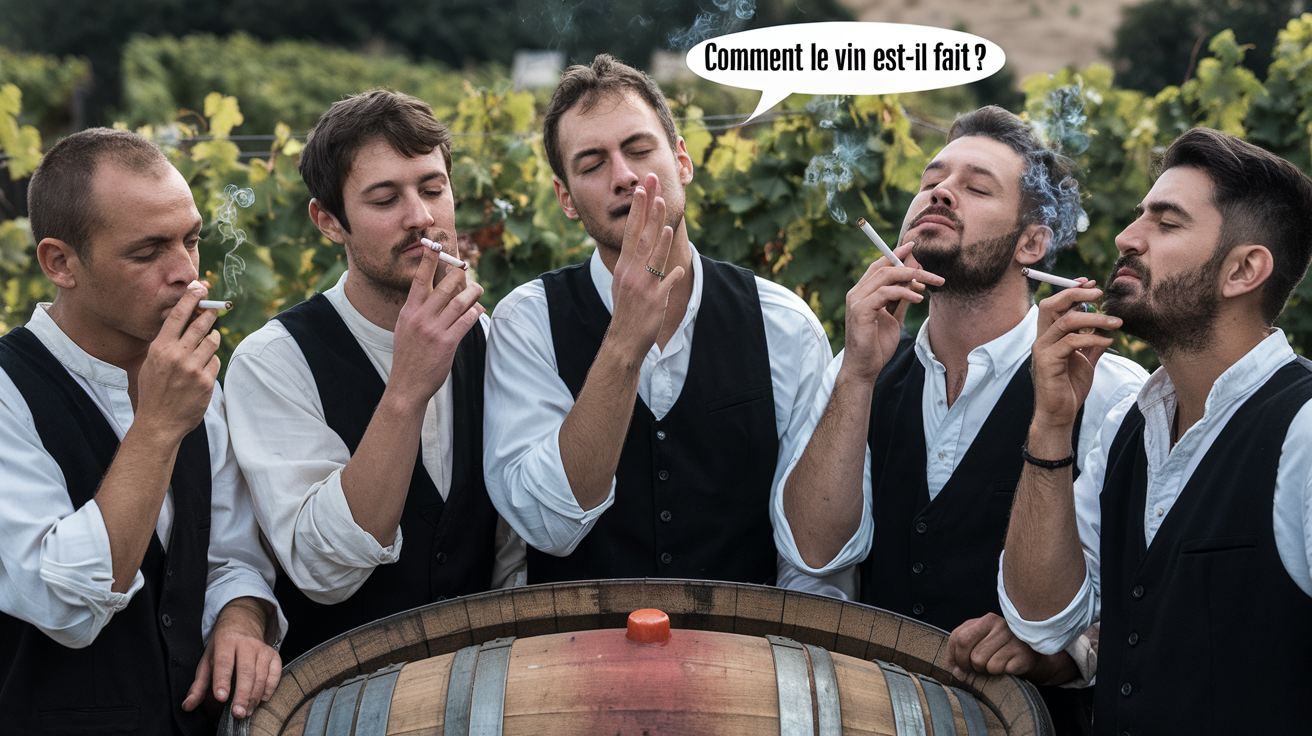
x: 834, y: 170
x: 730, y: 16
x: 226, y: 217
x: 1061, y: 122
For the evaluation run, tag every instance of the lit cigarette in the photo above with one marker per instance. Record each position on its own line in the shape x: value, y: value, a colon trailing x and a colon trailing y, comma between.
x: 445, y: 257
x: 213, y: 304
x: 1048, y: 278
x: 878, y: 241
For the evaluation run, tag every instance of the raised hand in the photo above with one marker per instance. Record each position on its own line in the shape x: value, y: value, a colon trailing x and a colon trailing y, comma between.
x: 1064, y: 356
x: 639, y: 291
x: 872, y: 330
x: 176, y: 379
x: 430, y: 327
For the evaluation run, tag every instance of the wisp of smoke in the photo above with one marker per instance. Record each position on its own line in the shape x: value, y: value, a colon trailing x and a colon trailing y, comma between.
x: 834, y: 170
x: 226, y: 217
x: 729, y: 18
x: 1063, y: 125
x: 1063, y: 121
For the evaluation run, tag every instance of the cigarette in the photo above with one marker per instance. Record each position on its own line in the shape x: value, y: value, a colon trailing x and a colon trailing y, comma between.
x: 213, y: 304
x: 878, y: 241
x: 445, y: 257
x: 1048, y: 278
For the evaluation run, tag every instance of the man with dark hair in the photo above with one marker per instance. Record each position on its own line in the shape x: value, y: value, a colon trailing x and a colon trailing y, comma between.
x: 357, y: 414
x: 636, y: 402
x: 910, y: 457
x: 1187, y: 534
x: 126, y: 537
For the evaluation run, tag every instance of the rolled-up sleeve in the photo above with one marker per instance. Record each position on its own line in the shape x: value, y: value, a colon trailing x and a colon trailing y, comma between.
x: 525, y: 404
x: 292, y: 463
x: 790, y: 452
x: 56, y: 570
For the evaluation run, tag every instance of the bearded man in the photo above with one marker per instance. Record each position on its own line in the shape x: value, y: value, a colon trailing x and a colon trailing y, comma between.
x: 1189, y: 528
x: 636, y: 402
x: 910, y: 458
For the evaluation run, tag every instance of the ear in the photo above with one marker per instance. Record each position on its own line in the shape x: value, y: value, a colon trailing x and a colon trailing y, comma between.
x: 1032, y: 245
x: 562, y: 195
x: 327, y: 222
x: 59, y: 261
x: 1246, y: 269
x: 685, y: 162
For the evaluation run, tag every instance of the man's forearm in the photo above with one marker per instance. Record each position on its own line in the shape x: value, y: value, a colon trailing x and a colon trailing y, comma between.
x: 376, y: 481
x: 592, y: 435
x: 823, y: 496
x: 131, y: 494
x: 1043, y: 567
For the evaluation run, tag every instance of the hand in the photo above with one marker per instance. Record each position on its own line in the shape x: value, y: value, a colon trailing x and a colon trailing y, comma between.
x: 430, y: 327
x: 987, y: 645
x: 237, y: 648
x: 640, y: 296
x: 872, y: 331
x: 176, y: 379
x: 1064, y: 357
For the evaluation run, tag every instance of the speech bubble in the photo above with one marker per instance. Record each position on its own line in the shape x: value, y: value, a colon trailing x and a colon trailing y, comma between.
x: 844, y: 58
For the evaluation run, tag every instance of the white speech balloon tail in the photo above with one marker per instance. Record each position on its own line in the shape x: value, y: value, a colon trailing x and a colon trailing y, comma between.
x: 769, y: 98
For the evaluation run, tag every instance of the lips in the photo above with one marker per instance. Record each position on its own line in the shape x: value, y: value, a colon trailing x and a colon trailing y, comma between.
x: 1125, y: 271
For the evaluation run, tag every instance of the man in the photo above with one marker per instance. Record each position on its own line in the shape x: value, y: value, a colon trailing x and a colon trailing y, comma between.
x: 357, y: 415
x: 1187, y: 533
x: 910, y: 459
x: 636, y: 402
x: 126, y: 537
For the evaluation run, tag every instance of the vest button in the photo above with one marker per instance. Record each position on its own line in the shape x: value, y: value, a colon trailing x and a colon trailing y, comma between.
x: 663, y: 475
x: 660, y: 434
x: 440, y: 557
x: 1126, y: 689
x: 1134, y: 638
x: 1137, y: 592
x: 917, y: 609
x: 167, y: 619
x: 667, y: 558
x: 922, y: 527
x: 917, y: 568
x: 666, y: 516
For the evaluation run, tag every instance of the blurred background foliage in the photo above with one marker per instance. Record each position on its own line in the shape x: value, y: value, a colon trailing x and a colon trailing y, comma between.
x: 775, y: 196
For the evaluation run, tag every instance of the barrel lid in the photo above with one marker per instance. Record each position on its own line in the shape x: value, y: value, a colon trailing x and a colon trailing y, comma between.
x: 648, y: 626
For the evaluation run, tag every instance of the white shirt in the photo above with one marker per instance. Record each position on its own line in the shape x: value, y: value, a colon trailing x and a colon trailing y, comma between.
x: 56, y: 570
x: 1169, y: 470
x: 949, y: 431
x: 526, y: 401
x: 293, y: 460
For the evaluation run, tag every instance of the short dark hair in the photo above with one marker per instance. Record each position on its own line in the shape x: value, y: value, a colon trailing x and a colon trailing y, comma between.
x: 60, y: 204
x: 406, y: 123
x: 585, y: 86
x: 1049, y: 193
x: 1262, y: 198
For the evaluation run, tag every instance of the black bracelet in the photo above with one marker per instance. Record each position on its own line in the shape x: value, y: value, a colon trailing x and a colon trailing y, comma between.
x: 1049, y: 464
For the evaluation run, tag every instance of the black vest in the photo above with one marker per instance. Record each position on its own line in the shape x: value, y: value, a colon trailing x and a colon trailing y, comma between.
x: 692, y: 495
x: 938, y: 561
x: 135, y: 675
x: 1204, y: 632
x: 449, y: 547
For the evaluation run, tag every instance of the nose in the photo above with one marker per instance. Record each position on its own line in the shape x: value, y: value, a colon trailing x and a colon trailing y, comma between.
x: 182, y: 266
x: 623, y: 177
x: 1131, y: 239
x: 942, y: 194
x: 417, y: 216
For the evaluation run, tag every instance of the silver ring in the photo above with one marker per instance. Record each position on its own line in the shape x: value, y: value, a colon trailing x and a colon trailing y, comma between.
x: 659, y: 275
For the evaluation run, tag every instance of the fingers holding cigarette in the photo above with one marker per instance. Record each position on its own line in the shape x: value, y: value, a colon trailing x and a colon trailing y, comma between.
x: 445, y: 257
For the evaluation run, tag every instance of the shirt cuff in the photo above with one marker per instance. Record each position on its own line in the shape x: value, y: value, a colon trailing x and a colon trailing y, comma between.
x: 1058, y: 632
x: 339, y: 539
x: 241, y: 583
x: 78, y: 568
x: 1084, y: 650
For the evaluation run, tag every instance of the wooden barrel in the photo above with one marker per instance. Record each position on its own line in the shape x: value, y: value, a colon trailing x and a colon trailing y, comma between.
x: 741, y: 659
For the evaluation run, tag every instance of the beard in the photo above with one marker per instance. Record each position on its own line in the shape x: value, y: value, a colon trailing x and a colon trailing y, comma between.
x: 598, y: 227
x: 968, y: 277
x: 388, y: 273
x: 1174, y: 316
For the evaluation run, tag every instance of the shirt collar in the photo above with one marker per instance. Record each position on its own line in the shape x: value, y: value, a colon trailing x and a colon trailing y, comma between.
x: 1237, y: 383
x: 72, y: 357
x: 359, y: 325
x: 603, y: 279
x: 1000, y: 355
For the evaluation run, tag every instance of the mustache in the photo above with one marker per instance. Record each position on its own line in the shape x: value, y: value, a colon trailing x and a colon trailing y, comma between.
x: 1131, y: 262
x: 621, y: 211
x: 941, y: 211
x: 441, y: 237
